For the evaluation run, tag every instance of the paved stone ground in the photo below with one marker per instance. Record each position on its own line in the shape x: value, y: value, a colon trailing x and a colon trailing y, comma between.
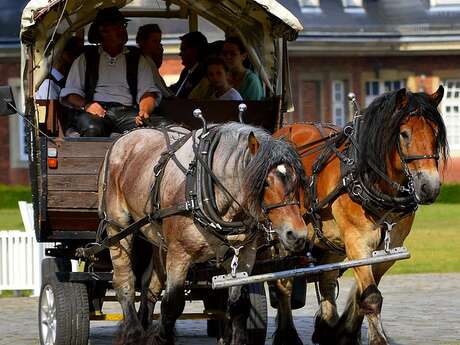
x: 418, y: 309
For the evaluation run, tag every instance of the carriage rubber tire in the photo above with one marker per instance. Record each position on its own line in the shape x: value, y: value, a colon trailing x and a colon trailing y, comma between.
x: 71, y: 312
x: 258, y: 315
x: 53, y: 265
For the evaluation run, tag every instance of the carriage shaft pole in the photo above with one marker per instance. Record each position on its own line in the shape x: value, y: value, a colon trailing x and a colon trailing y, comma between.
x: 221, y: 282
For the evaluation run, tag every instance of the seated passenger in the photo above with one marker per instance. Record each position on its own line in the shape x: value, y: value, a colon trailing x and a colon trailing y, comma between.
x: 106, y: 83
x: 203, y: 90
x: 246, y: 82
x: 148, y: 39
x: 217, y: 74
x: 51, y: 87
x: 193, y: 51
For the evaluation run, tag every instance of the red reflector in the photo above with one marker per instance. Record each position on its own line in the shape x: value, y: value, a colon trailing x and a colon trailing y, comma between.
x: 52, y: 163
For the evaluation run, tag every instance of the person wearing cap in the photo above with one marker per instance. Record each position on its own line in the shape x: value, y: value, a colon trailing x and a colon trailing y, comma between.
x: 193, y: 51
x: 111, y: 87
x: 148, y: 39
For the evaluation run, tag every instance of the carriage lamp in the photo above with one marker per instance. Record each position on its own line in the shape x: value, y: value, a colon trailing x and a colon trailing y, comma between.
x: 52, y: 158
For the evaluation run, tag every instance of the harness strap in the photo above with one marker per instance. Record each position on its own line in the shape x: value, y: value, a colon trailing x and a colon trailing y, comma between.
x: 110, y: 241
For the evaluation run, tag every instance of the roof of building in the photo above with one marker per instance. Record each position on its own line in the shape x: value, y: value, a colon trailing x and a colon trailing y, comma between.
x: 376, y: 16
x: 378, y: 27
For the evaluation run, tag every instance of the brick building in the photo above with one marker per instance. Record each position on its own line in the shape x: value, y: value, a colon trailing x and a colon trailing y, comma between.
x: 364, y: 46
x: 372, y: 46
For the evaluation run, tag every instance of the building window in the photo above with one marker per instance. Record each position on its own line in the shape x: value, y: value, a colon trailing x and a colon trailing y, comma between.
x: 444, y: 5
x: 309, y: 6
x: 338, y: 103
x: 353, y: 6
x: 18, y: 146
x: 451, y: 112
x: 375, y: 88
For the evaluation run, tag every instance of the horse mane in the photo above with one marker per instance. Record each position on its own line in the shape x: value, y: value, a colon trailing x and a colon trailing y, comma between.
x: 271, y: 153
x: 379, y: 129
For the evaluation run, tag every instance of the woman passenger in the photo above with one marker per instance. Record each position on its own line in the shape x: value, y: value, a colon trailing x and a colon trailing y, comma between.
x: 246, y: 82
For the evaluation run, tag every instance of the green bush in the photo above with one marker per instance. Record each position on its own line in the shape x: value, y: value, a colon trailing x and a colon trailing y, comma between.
x: 10, y: 195
x: 450, y: 194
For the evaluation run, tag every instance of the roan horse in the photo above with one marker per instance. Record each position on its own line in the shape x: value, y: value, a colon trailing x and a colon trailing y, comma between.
x: 364, y: 178
x: 254, y: 175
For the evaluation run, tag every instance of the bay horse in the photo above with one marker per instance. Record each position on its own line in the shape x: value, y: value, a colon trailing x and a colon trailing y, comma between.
x: 365, y: 177
x: 252, y: 177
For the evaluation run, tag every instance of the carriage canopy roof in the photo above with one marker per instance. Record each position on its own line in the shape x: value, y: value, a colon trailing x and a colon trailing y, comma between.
x: 259, y: 22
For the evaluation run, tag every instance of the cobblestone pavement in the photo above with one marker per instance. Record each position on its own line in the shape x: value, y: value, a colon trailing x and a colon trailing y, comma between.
x: 418, y: 309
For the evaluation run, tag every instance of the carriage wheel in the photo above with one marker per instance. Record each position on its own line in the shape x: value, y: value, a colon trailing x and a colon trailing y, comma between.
x: 258, y: 315
x: 63, y: 314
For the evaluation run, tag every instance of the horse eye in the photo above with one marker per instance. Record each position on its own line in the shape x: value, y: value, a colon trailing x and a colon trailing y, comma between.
x: 266, y: 184
x: 405, y: 135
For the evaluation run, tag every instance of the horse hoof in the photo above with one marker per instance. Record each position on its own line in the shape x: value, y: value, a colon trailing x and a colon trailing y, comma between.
x: 130, y: 333
x: 323, y: 333
x: 286, y: 337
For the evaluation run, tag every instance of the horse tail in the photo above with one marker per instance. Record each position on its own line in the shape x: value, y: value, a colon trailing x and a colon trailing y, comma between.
x: 102, y: 183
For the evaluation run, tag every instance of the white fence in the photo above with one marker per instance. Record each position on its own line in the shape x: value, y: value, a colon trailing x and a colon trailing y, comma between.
x: 21, y: 256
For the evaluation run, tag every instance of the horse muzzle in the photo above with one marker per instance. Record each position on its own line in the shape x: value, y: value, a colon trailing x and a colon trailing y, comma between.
x: 292, y: 240
x: 427, y: 187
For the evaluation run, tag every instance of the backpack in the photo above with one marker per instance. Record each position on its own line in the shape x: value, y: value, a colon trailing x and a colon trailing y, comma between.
x: 92, y: 70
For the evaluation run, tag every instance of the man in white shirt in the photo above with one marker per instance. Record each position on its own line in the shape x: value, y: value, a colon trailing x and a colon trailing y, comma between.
x: 148, y: 39
x: 107, y: 88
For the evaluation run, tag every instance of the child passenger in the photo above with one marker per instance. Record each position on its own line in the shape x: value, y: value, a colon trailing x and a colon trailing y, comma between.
x: 217, y: 74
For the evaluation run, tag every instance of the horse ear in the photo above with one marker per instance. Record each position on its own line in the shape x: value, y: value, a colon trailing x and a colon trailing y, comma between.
x: 401, y: 98
x: 253, y: 144
x: 437, y: 96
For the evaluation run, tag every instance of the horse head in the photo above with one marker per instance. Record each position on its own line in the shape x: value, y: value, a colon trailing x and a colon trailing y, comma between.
x: 409, y: 137
x: 274, y: 178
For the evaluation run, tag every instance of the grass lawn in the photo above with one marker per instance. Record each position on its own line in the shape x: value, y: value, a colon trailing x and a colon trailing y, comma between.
x: 434, y: 241
x: 10, y: 219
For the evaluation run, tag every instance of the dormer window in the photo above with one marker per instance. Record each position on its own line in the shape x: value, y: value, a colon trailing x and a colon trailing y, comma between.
x: 444, y: 5
x: 353, y: 6
x: 309, y: 6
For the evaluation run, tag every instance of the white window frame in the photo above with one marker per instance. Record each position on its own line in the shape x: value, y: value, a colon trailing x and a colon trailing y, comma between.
x: 338, y: 104
x: 353, y: 6
x: 309, y: 6
x: 444, y: 5
x: 381, y: 88
x: 18, y: 155
x: 451, y: 119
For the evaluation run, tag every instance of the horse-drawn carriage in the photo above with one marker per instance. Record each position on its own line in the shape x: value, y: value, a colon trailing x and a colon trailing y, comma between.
x: 261, y: 212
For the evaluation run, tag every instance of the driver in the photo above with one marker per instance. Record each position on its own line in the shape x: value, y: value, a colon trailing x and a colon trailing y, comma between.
x: 110, y: 86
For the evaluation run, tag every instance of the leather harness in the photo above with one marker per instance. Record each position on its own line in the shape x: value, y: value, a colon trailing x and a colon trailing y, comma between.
x: 199, y: 197
x: 359, y: 188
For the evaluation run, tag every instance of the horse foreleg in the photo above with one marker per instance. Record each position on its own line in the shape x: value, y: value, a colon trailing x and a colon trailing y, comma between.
x: 327, y: 316
x: 286, y: 333
x: 131, y: 331
x: 365, y: 300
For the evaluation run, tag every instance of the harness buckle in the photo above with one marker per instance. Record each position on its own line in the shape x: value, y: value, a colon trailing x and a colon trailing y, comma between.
x: 387, y: 239
x: 234, y: 263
